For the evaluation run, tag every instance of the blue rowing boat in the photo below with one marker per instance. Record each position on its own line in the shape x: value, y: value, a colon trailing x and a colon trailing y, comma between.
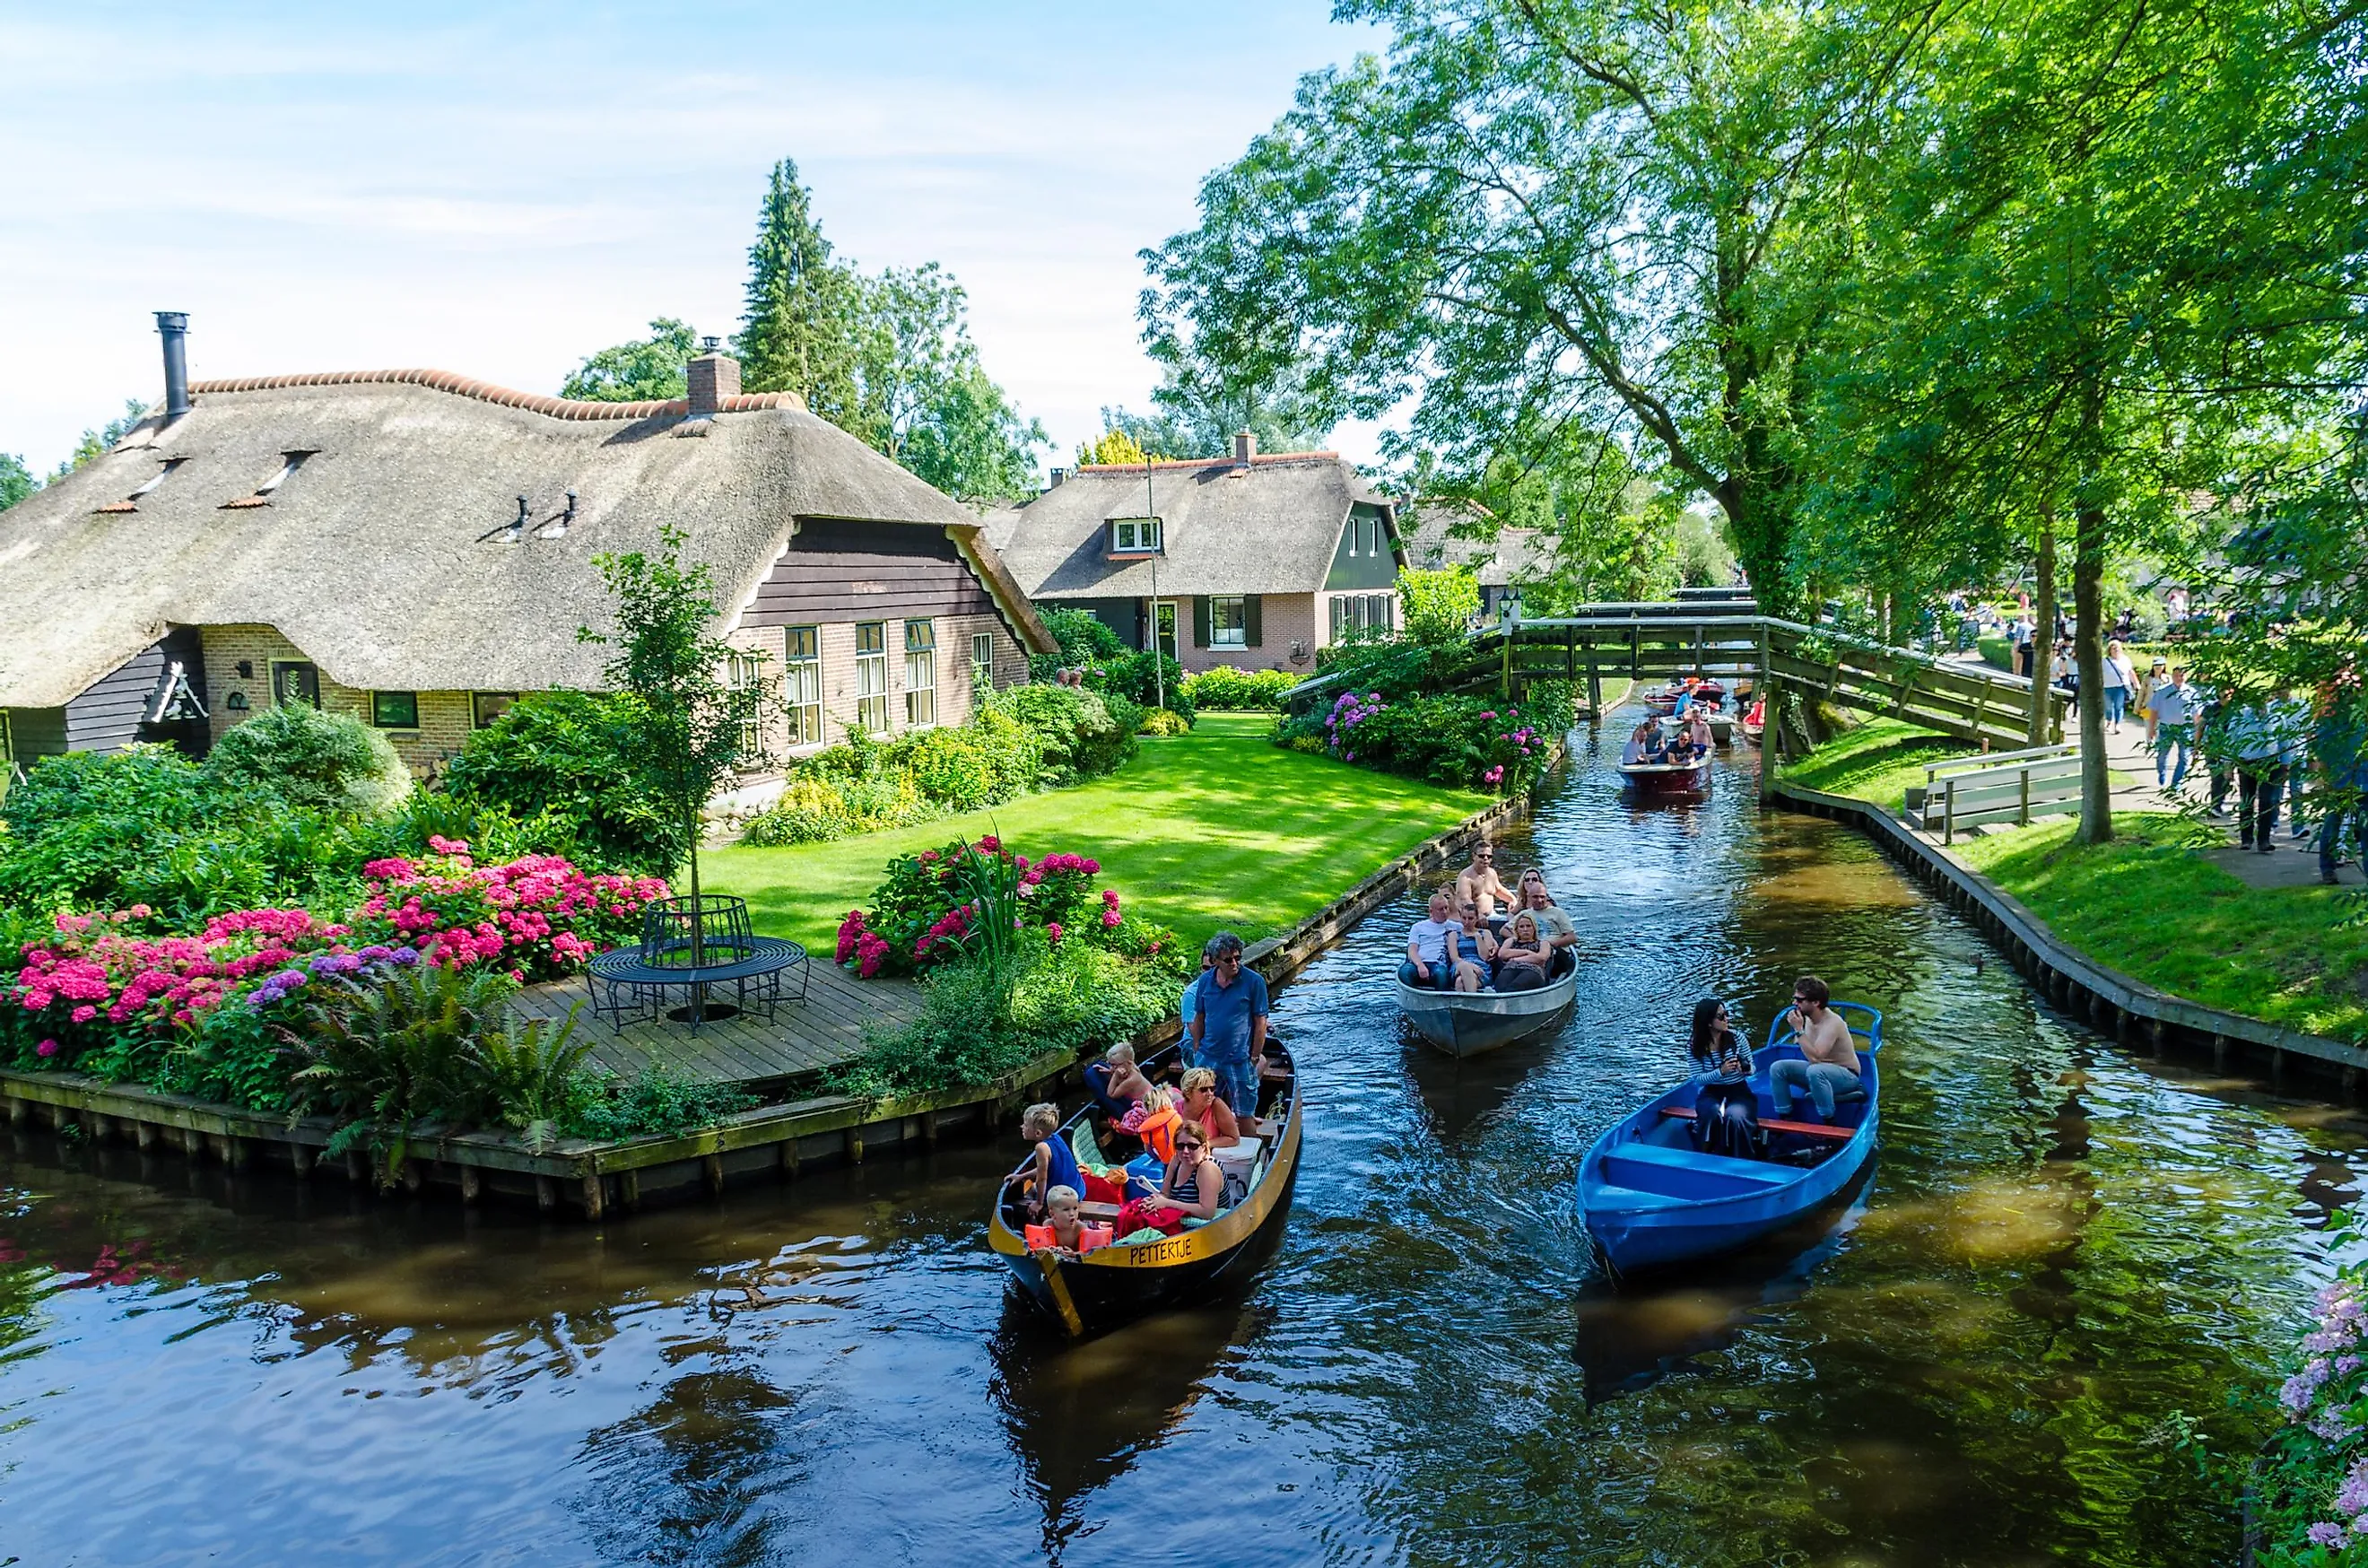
x: 1648, y: 1197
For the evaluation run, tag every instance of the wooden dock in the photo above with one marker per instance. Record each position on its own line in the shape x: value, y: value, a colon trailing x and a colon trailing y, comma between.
x: 800, y: 1039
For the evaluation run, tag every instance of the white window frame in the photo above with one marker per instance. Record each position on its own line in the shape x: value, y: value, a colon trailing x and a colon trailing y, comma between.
x: 920, y: 676
x: 1237, y: 635
x: 746, y: 671
x: 1137, y: 536
x: 801, y: 683
x: 982, y: 661
x: 872, y: 677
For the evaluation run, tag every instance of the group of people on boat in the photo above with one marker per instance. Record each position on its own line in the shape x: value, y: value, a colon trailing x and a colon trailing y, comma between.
x: 1681, y: 745
x: 1481, y: 934
x: 1726, y: 1118
x: 1195, y: 1139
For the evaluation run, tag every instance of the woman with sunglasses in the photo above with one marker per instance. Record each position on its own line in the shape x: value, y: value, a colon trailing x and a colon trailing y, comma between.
x: 1725, y: 1112
x: 1190, y: 1188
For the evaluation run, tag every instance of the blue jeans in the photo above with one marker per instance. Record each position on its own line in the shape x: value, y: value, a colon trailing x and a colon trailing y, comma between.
x: 1443, y: 976
x: 2116, y: 698
x: 2166, y: 741
x: 1237, y: 1084
x: 2330, y: 832
x: 1823, y: 1080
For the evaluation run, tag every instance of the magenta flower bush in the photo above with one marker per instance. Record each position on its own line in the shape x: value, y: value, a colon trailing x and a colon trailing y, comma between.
x: 1451, y: 740
x: 921, y: 917
x: 109, y: 994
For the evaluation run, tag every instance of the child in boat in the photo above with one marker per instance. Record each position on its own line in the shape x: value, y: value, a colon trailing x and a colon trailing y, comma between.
x: 1053, y: 1164
x: 1064, y: 1230
x: 1117, y: 1084
x: 1727, y: 1116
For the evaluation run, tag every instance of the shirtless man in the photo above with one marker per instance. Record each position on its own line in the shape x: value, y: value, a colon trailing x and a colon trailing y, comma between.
x: 1479, y: 883
x: 1698, y: 728
x: 1828, y: 1065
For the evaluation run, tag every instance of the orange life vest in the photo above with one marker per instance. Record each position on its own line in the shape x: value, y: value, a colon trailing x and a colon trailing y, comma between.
x: 1040, y: 1238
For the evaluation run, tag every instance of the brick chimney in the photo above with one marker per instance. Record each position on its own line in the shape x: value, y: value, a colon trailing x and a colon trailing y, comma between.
x: 1244, y: 448
x: 713, y: 376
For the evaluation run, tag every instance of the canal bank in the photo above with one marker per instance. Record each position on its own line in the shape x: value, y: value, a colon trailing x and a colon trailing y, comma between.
x: 2015, y: 1343
x: 589, y: 1178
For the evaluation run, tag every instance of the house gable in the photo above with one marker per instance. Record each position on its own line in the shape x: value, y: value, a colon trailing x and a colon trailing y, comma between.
x: 1367, y: 554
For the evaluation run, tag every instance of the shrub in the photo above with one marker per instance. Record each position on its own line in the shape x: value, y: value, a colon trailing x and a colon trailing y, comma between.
x: 330, y: 762
x: 1081, y: 734
x: 1438, y: 606
x: 1226, y: 689
x: 1084, y: 639
x: 981, y: 764
x: 401, y: 1048
x: 551, y: 761
x: 2310, y: 1485
x: 537, y: 1073
x: 1138, y: 678
x: 652, y: 1102
x: 1160, y: 721
x: 931, y: 908
x: 1460, y: 742
x: 537, y: 917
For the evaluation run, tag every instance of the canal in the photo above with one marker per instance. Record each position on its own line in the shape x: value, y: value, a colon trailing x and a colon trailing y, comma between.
x: 2016, y: 1343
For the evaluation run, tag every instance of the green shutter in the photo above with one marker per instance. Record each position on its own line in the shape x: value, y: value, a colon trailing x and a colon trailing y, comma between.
x: 1200, y: 620
x: 1250, y: 620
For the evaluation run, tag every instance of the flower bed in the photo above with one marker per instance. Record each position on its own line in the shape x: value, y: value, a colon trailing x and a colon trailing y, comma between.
x: 1456, y: 741
x: 926, y: 912
x: 115, y: 995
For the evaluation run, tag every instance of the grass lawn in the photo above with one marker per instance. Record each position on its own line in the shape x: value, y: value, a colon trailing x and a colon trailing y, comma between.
x: 1214, y: 828
x: 2149, y: 906
x: 1875, y: 762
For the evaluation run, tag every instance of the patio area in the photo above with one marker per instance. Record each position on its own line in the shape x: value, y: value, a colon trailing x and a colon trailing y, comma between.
x: 803, y: 1036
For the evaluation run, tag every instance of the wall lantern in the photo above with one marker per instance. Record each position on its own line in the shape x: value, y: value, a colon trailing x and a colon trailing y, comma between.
x: 247, y: 669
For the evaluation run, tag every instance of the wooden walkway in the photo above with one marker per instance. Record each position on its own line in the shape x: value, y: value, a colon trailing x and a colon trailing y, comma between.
x: 801, y: 1038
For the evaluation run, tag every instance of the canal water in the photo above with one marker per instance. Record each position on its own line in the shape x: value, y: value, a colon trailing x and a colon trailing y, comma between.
x: 2016, y: 1343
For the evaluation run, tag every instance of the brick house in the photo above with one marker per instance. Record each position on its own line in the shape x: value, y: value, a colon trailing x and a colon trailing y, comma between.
x: 416, y: 549
x: 1253, y: 560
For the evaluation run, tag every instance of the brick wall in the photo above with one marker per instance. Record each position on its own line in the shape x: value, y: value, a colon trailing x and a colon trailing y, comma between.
x: 1282, y: 617
x: 445, y: 716
x: 837, y: 642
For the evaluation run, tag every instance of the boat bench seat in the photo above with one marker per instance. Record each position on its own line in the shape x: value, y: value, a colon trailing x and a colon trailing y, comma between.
x: 1716, y: 1168
x: 1613, y: 1195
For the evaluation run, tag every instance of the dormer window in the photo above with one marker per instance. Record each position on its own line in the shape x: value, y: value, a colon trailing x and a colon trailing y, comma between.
x: 132, y: 503
x: 1134, y: 536
x: 289, y: 463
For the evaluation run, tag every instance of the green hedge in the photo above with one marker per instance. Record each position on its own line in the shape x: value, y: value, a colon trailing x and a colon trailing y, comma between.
x: 1225, y: 689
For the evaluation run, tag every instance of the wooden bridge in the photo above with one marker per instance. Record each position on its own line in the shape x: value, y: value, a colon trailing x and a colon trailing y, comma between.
x: 1729, y: 639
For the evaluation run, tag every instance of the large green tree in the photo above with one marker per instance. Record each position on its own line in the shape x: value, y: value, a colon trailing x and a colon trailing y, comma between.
x: 1539, y: 210
x: 928, y: 400
x: 646, y: 369
x: 803, y: 332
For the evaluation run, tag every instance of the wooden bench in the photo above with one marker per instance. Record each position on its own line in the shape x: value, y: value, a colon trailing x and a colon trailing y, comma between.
x: 1806, y: 1128
x: 2000, y: 787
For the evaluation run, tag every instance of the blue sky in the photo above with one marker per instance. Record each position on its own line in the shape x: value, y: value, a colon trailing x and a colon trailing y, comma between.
x: 499, y: 190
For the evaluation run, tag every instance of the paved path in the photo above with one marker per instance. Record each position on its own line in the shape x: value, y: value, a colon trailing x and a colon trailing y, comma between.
x: 2295, y: 862
x: 801, y: 1038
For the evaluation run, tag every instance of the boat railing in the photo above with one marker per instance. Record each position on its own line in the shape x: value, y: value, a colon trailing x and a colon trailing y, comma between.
x: 1870, y: 1032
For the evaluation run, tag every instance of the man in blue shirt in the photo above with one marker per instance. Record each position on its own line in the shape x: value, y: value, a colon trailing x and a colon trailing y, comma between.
x: 1228, y: 1025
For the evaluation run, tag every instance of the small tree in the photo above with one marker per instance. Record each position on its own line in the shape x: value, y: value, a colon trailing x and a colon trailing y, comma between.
x: 687, y: 738
x: 1438, y: 606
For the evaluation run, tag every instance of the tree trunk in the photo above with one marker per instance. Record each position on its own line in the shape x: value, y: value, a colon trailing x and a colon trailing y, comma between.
x: 2088, y: 654
x: 2042, y: 729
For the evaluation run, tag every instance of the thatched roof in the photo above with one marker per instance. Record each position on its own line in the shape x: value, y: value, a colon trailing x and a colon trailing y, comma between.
x: 1514, y: 555
x: 1269, y: 528
x: 386, y: 556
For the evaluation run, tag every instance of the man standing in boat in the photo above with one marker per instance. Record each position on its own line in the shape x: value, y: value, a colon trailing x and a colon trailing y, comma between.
x: 1228, y: 1027
x: 1479, y: 883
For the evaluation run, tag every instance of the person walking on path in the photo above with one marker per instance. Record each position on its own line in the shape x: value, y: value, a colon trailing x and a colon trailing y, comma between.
x: 2339, y: 743
x: 2118, y: 679
x: 2266, y: 737
x: 2172, y: 720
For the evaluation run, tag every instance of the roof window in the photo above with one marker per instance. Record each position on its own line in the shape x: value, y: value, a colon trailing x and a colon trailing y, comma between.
x: 132, y: 503
x: 1135, y: 536
x: 289, y: 463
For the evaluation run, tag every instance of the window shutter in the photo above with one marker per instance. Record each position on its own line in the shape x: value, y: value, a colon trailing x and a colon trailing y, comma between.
x: 1250, y: 620
x: 1200, y: 620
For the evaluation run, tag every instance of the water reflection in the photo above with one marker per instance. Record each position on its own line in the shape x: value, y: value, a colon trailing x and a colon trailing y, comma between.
x: 2063, y: 1254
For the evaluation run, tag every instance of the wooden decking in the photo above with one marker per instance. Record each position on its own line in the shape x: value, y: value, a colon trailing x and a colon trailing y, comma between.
x: 801, y: 1038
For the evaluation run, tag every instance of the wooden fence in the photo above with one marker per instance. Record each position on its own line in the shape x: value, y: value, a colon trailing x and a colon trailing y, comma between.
x: 1731, y: 640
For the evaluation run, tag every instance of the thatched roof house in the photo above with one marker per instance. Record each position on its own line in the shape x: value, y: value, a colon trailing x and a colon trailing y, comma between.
x: 1445, y: 532
x: 417, y: 548
x: 1256, y: 561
